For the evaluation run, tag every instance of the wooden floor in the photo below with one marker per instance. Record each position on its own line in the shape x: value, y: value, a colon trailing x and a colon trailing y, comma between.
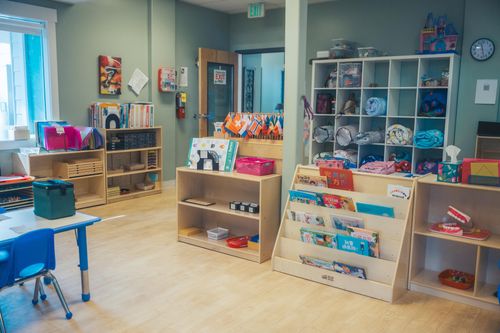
x: 142, y: 280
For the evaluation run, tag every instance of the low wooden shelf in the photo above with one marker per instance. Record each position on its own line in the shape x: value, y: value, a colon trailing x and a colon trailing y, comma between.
x: 434, y: 252
x: 387, y: 275
x: 221, y: 188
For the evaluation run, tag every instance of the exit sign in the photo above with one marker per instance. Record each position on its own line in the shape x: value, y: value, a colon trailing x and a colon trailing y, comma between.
x: 256, y: 10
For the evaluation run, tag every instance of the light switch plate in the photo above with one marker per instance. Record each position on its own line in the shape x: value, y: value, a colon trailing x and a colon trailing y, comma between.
x: 486, y: 91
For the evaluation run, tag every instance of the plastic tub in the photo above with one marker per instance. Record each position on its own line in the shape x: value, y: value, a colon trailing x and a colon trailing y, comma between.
x: 254, y: 166
x: 217, y: 233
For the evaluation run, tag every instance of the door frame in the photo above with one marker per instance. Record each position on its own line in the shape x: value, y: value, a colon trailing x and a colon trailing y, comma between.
x: 206, y: 56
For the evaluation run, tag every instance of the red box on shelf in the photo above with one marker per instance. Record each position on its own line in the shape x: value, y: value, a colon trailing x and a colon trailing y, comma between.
x: 255, y: 166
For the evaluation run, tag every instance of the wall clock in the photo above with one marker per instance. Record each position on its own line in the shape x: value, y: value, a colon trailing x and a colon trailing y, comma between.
x: 482, y: 49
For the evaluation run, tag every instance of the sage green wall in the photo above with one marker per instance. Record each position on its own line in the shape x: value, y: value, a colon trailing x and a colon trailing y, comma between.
x: 195, y: 27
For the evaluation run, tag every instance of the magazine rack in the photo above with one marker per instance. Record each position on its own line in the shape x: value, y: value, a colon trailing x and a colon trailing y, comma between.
x: 387, y: 276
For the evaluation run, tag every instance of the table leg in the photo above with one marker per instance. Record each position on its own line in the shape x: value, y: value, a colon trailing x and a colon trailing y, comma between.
x: 84, y: 263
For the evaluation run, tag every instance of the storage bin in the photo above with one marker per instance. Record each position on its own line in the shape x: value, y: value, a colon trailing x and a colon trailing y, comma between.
x: 217, y: 233
x: 255, y: 166
x: 78, y: 168
x: 61, y: 138
x: 54, y: 199
x: 350, y: 75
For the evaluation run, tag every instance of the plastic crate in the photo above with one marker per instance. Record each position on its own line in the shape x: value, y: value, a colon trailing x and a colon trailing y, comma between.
x: 217, y: 233
x: 255, y: 166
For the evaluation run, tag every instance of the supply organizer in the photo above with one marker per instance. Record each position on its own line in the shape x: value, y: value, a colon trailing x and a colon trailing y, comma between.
x: 403, y: 96
x: 385, y: 276
x: 434, y: 252
x: 134, y: 162
x: 203, y: 204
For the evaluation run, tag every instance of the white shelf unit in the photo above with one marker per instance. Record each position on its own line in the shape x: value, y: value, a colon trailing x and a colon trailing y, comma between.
x: 387, y: 276
x: 398, y: 80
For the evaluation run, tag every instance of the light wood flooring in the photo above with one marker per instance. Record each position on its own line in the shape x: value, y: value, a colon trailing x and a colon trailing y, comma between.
x: 143, y: 280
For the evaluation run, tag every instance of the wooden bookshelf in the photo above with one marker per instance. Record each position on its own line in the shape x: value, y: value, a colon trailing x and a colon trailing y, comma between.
x: 433, y: 252
x: 116, y: 160
x: 221, y: 188
x: 15, y: 195
x: 387, y: 275
x: 89, y: 189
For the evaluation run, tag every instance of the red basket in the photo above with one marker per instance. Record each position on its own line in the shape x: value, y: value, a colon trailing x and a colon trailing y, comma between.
x: 255, y: 166
x: 456, y: 279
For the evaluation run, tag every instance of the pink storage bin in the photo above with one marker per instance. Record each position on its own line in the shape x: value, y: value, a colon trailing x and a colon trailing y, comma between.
x: 255, y: 166
x: 70, y: 139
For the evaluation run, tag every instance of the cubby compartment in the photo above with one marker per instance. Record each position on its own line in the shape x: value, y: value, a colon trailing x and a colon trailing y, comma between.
x: 402, y: 103
x: 432, y: 103
x: 404, y: 73
x: 350, y: 75
x: 346, y: 129
x: 325, y: 102
x: 433, y: 156
x: 488, y: 275
x: 345, y: 99
x: 323, y: 130
x: 88, y: 192
x: 377, y: 93
x: 376, y: 74
x: 402, y: 156
x: 368, y: 153
x: 371, y: 124
x: 323, y: 74
x: 400, y: 132
x: 434, y: 68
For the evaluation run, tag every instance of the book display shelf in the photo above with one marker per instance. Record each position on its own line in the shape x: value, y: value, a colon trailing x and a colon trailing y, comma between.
x: 386, y: 275
x: 434, y: 252
x: 219, y: 189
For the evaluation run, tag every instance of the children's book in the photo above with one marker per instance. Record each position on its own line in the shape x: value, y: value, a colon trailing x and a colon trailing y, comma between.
x: 349, y: 270
x: 310, y: 198
x: 353, y: 244
x: 321, y: 238
x: 338, y: 178
x: 341, y: 222
x: 308, y: 218
x: 212, y: 154
x: 338, y: 202
x: 368, y: 235
x: 319, y: 181
x: 317, y: 262
x: 375, y: 209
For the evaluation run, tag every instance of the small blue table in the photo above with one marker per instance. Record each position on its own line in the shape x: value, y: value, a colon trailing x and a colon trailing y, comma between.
x: 18, y: 222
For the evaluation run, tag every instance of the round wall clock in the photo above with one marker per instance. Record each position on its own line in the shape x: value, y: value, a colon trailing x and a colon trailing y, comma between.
x: 482, y: 49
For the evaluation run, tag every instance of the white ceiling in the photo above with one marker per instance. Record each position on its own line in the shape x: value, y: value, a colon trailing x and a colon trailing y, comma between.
x: 240, y: 6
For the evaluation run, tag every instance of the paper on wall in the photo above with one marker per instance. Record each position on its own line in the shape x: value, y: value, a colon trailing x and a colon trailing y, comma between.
x: 137, y: 81
x: 183, y: 78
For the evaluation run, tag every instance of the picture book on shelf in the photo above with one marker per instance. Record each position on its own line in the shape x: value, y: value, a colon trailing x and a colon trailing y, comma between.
x: 349, y: 270
x: 372, y: 209
x: 338, y: 178
x: 370, y: 236
x: 305, y: 197
x: 312, y: 219
x: 338, y: 202
x: 316, y: 262
x: 353, y: 244
x: 342, y: 222
x: 322, y: 238
x: 319, y: 181
x: 212, y: 154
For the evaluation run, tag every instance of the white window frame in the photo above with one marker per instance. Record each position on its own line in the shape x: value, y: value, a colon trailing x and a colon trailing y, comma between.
x: 49, y: 17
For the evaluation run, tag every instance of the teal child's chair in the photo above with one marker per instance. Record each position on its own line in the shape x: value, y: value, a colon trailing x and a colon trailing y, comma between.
x: 31, y: 256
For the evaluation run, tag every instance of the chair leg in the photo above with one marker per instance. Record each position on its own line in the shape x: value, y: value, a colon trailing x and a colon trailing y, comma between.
x: 61, y: 296
x: 43, y: 296
x: 36, y: 292
x: 2, y: 324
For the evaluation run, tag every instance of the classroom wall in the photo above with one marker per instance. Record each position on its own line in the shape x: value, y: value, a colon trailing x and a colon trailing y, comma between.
x: 195, y: 27
x: 272, y: 67
x: 254, y: 61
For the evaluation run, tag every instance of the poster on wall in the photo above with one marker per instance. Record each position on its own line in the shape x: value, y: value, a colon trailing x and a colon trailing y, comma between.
x: 220, y: 76
x: 110, y: 75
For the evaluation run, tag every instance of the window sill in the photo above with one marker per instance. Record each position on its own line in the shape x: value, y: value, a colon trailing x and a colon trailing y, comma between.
x: 11, y: 144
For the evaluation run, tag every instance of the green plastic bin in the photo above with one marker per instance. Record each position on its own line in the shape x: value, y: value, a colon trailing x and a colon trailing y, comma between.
x: 54, y: 199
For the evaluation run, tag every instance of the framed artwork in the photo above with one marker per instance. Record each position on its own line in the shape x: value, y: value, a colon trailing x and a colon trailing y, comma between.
x: 110, y: 75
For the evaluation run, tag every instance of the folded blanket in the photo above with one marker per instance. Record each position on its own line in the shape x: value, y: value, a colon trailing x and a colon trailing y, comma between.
x: 399, y: 135
x: 381, y: 168
x: 376, y: 106
x: 428, y: 139
x: 365, y: 138
x: 348, y: 155
x: 346, y: 134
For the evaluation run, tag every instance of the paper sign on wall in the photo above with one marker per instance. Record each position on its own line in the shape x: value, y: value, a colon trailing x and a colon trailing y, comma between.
x: 183, y: 78
x: 486, y: 92
x: 219, y: 76
x: 138, y: 81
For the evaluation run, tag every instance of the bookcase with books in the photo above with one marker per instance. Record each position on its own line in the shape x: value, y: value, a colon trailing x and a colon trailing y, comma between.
x: 348, y: 230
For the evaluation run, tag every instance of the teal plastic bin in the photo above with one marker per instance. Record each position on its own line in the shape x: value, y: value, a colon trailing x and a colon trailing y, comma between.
x: 54, y: 199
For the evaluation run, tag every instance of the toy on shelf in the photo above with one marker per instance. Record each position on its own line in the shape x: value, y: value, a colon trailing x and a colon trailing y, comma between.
x: 481, y: 172
x: 450, y: 172
x: 438, y: 36
x: 457, y: 223
x: 427, y: 81
x: 456, y: 279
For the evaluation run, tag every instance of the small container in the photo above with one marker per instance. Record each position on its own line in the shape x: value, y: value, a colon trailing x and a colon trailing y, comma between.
x: 450, y: 172
x: 253, y: 208
x: 217, y: 233
x: 234, y: 205
x: 244, y: 206
x: 253, y: 243
x: 367, y: 52
x: 254, y: 166
x: 342, y: 48
x: 54, y: 199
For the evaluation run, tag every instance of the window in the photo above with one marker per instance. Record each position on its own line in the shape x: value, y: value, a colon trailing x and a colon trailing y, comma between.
x: 27, y: 77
